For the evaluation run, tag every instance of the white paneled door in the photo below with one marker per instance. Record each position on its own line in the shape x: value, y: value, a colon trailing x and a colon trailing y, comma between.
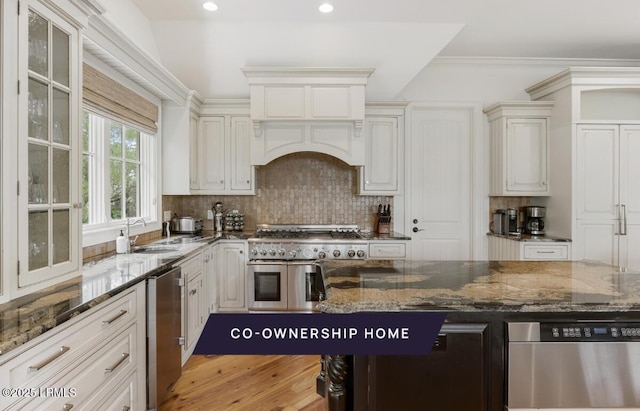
x: 439, y: 182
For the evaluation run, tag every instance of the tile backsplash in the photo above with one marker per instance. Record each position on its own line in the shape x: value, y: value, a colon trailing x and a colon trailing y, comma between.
x: 300, y: 188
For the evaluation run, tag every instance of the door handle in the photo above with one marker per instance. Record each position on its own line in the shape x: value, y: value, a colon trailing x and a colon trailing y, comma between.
x: 416, y: 229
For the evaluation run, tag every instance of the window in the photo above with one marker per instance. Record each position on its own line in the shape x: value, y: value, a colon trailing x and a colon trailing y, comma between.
x: 118, y: 172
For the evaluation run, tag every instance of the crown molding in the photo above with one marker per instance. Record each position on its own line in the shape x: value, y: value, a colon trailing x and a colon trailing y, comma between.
x: 108, y: 43
x: 534, y: 61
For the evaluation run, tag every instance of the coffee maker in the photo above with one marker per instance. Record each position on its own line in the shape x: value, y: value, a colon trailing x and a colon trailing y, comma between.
x: 534, y: 220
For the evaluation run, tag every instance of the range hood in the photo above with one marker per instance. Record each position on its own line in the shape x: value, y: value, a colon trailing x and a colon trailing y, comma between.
x: 307, y: 109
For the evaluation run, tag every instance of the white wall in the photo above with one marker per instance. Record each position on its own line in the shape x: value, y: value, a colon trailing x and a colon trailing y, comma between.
x: 129, y: 19
x: 488, y: 80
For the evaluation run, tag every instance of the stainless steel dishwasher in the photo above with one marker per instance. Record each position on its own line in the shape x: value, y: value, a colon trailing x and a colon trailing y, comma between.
x: 164, y: 339
x: 573, y: 365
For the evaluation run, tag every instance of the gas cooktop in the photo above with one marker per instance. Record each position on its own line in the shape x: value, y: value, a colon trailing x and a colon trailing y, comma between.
x: 307, y: 242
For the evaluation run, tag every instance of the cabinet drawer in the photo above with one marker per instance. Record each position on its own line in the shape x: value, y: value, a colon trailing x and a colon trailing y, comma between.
x: 115, y: 360
x: 546, y: 252
x: 52, y: 355
x: 387, y: 250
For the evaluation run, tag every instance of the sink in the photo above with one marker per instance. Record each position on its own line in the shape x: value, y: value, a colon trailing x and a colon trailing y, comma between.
x: 147, y: 249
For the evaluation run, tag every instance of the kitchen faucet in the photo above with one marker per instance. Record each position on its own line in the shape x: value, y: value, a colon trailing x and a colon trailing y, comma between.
x: 129, y: 224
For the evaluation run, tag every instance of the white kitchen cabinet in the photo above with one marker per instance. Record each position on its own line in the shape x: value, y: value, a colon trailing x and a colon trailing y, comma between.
x: 503, y: 249
x: 47, y: 43
x: 193, y: 303
x: 519, y: 148
x: 209, y: 278
x: 211, y: 154
x: 92, y: 353
x: 387, y: 250
x: 223, y: 156
x: 231, y: 272
x: 608, y: 201
x: 180, y: 168
x: 384, y: 149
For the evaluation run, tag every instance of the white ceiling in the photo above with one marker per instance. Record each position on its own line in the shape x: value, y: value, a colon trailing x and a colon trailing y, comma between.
x: 398, y: 38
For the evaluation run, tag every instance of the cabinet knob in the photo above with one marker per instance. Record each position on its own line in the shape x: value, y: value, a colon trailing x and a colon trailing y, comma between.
x: 248, y: 181
x: 221, y: 181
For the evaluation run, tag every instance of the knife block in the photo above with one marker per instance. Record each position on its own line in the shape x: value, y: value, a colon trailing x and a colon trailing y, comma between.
x: 384, y: 225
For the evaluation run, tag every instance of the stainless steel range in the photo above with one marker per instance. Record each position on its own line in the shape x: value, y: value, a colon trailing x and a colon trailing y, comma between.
x: 282, y: 270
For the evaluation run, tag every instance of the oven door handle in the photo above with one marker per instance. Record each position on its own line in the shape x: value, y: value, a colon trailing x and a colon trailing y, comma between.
x: 266, y: 263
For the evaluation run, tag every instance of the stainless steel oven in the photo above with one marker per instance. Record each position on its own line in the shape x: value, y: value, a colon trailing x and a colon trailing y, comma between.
x: 282, y: 270
x: 284, y: 286
x: 576, y: 365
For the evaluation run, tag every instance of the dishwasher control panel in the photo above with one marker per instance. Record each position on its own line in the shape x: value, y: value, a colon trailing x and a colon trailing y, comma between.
x: 590, y: 331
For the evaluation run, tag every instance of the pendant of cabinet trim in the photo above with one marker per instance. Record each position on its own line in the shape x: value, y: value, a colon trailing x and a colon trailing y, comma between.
x: 518, y: 133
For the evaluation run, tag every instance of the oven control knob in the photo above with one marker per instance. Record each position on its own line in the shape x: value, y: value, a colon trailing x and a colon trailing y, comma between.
x: 254, y: 252
x: 336, y: 253
x: 322, y: 254
x: 263, y: 252
x: 351, y: 253
x: 281, y: 252
x: 360, y: 253
x: 293, y: 253
x: 272, y: 253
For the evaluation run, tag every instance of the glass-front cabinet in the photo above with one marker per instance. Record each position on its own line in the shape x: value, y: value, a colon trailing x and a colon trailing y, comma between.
x: 48, y: 145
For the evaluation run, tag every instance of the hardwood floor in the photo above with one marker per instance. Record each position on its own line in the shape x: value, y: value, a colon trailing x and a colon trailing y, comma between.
x: 247, y: 382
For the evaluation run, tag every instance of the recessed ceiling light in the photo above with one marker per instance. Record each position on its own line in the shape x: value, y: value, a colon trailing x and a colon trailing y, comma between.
x: 326, y: 8
x: 210, y: 6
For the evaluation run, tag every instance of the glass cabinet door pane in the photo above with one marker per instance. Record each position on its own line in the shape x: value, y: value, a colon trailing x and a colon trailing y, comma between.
x: 38, y: 239
x: 38, y: 44
x: 38, y: 110
x: 61, y: 236
x: 60, y: 56
x: 38, y: 174
x: 60, y: 172
x: 60, y: 117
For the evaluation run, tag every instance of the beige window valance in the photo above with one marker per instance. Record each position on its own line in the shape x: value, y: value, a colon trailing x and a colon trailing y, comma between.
x: 105, y: 94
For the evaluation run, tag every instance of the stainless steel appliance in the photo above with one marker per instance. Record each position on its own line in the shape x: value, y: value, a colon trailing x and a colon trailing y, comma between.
x: 498, y: 224
x: 164, y: 339
x: 186, y: 225
x: 534, y: 221
x: 574, y: 365
x: 511, y: 220
x: 282, y: 270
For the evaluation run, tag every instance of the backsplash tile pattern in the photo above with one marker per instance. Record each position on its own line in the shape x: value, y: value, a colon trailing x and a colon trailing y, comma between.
x: 309, y: 188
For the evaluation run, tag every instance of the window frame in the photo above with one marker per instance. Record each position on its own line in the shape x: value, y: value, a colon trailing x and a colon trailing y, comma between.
x: 149, y: 177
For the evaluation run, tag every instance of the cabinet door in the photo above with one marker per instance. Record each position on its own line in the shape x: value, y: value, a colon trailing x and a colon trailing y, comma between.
x: 526, y: 160
x: 48, y: 145
x: 193, y: 152
x: 241, y: 169
x: 380, y: 172
x: 597, y: 171
x: 211, y: 153
x: 454, y: 376
x: 210, y: 282
x: 597, y: 240
x: 195, y: 315
x: 231, y: 272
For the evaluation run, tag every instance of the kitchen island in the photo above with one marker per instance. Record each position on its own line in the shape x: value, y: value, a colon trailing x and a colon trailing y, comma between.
x: 480, y: 299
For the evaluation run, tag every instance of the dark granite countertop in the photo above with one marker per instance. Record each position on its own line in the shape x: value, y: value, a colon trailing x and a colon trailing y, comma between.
x: 531, y: 238
x: 516, y: 286
x: 27, y: 317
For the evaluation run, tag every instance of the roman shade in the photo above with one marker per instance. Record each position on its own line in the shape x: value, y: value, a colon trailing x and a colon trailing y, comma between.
x: 107, y: 95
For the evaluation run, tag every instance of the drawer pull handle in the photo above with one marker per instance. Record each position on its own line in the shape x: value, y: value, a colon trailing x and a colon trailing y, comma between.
x: 112, y: 369
x: 120, y: 314
x: 126, y: 408
x: 49, y: 360
x: 67, y: 407
x: 545, y: 252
